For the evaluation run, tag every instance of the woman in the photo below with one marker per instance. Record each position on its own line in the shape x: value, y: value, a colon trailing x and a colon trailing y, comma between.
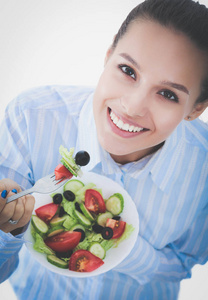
x: 141, y: 129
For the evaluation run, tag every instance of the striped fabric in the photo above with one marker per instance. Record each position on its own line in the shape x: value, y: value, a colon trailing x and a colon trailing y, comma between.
x: 169, y: 188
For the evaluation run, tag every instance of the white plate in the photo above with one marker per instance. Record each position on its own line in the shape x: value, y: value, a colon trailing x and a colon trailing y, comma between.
x: 114, y: 255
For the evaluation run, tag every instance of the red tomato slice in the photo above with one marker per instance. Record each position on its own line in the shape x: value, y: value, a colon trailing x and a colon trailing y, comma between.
x: 84, y: 261
x: 46, y: 212
x: 62, y: 172
x: 94, y: 201
x: 63, y: 241
x: 117, y: 226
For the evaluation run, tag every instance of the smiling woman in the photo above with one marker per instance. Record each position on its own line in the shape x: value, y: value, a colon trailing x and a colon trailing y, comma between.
x: 154, y: 93
x: 140, y: 125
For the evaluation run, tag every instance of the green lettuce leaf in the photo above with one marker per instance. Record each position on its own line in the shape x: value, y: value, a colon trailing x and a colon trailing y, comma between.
x: 68, y: 206
x: 40, y: 246
x: 68, y: 160
x: 69, y: 222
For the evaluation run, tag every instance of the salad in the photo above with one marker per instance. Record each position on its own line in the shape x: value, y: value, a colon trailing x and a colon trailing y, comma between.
x: 76, y: 230
x: 78, y: 227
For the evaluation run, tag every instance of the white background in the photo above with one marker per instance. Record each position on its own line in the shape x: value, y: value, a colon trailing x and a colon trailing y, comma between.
x: 64, y: 42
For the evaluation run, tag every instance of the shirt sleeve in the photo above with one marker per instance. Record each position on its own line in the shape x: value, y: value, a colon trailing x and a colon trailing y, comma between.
x: 14, y: 164
x: 9, y: 248
x: 173, y: 262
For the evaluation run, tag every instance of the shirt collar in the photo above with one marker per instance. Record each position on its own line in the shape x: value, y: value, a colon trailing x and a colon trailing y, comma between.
x: 87, y: 140
x: 157, y: 164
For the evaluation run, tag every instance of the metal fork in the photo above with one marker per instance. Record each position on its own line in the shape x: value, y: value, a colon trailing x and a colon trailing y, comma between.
x: 44, y: 185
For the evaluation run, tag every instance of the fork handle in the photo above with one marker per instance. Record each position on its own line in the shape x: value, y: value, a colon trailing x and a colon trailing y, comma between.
x: 16, y: 196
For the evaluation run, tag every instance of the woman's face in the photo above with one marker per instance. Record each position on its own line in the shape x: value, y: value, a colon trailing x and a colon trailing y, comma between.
x: 150, y: 83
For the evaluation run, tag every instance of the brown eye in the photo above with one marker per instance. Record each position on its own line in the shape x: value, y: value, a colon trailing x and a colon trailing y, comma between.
x: 169, y: 95
x: 128, y: 71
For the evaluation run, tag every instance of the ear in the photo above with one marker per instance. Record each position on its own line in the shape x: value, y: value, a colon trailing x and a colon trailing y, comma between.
x: 197, y: 111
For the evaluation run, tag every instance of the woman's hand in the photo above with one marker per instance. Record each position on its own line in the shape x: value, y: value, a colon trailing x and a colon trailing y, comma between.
x: 17, y: 213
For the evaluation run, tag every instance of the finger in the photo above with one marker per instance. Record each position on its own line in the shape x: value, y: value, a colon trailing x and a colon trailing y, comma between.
x: 2, y: 185
x: 7, y: 212
x: 9, y: 184
x: 19, y: 209
x: 3, y: 195
x: 28, y: 209
x: 24, y: 215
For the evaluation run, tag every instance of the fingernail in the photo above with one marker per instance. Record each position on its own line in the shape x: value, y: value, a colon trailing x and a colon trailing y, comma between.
x: 14, y: 191
x: 4, y: 194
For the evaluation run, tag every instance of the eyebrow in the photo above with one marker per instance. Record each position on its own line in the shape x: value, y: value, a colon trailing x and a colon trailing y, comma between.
x: 177, y: 86
x: 174, y: 85
x: 130, y: 59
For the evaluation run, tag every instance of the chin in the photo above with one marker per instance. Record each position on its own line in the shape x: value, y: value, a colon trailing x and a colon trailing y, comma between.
x: 110, y: 147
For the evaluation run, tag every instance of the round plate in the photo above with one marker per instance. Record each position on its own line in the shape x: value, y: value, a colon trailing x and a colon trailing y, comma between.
x: 114, y: 255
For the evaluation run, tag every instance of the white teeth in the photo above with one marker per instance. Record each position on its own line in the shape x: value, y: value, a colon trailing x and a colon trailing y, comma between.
x: 131, y: 128
x: 120, y: 124
x: 124, y: 126
x: 115, y: 120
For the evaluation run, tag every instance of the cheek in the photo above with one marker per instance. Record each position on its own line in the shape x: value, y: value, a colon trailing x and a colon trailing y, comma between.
x: 166, y: 121
x: 108, y: 86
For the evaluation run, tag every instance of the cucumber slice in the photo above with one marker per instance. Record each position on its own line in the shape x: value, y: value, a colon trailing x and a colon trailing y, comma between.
x: 102, y: 218
x: 58, y: 221
x: 86, y: 212
x: 82, y: 219
x: 73, y: 185
x: 97, y: 250
x: 54, y: 230
x: 115, y: 204
x: 77, y: 226
x: 39, y: 225
x: 69, y: 167
x: 57, y: 261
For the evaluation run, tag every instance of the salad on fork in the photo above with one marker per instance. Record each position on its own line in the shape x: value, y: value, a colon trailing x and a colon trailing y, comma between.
x: 79, y: 226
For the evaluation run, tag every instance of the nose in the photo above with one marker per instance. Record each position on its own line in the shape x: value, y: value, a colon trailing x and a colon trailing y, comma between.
x: 135, y: 103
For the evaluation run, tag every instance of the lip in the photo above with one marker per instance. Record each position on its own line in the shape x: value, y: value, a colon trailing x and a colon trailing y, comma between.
x: 120, y: 132
x: 125, y: 120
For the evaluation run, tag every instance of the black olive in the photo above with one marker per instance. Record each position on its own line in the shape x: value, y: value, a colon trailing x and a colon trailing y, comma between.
x: 82, y: 158
x: 69, y: 195
x: 61, y: 212
x: 66, y: 254
x: 82, y: 233
x: 57, y: 198
x: 97, y: 228
x: 107, y: 233
x: 117, y: 218
x: 77, y: 206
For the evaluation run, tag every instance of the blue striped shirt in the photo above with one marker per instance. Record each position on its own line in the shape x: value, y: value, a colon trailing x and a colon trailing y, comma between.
x: 169, y: 189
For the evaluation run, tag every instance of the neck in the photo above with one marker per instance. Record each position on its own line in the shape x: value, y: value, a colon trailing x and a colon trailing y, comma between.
x: 135, y: 156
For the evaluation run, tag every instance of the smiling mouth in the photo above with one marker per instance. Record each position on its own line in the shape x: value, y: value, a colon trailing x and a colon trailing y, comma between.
x: 124, y: 126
